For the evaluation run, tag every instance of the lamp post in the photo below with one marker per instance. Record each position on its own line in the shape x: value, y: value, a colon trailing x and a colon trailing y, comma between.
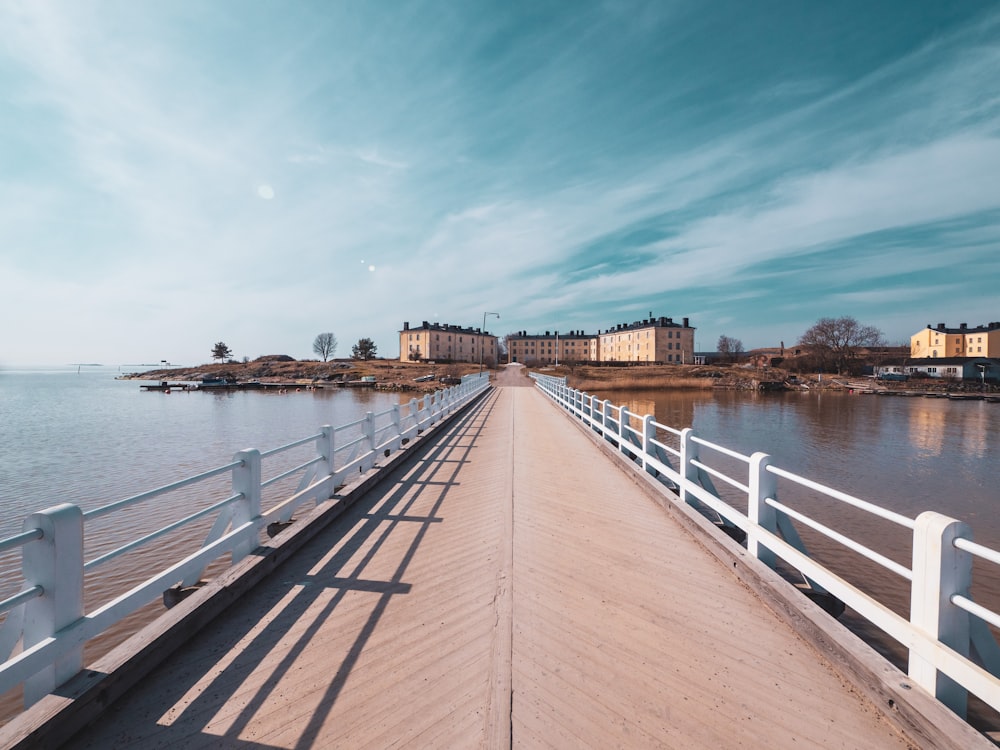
x: 482, y: 344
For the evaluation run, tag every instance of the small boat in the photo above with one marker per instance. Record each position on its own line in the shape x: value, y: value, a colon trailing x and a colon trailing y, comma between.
x: 163, y: 385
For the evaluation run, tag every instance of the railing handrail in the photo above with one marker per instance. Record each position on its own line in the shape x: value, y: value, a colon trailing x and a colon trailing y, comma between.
x: 944, y: 623
x: 54, y: 633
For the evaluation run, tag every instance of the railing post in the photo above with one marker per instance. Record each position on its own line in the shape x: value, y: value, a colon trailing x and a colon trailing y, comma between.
x: 623, y: 418
x: 369, y: 429
x: 648, y: 431
x: 424, y: 413
x: 397, y: 422
x: 246, y: 482
x: 763, y: 485
x: 688, y: 471
x: 324, y: 446
x: 414, y: 416
x: 54, y: 562
x: 940, y: 570
x: 605, y: 415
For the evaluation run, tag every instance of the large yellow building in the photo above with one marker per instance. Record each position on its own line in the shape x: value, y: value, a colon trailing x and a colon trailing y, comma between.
x: 441, y: 342
x: 930, y: 343
x: 551, y: 348
x: 651, y: 340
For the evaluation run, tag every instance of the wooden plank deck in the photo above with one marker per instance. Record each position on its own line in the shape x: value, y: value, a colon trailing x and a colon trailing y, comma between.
x: 515, y: 589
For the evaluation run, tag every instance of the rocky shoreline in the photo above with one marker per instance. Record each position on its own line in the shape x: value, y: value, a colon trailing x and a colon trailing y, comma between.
x: 388, y: 375
x: 424, y: 377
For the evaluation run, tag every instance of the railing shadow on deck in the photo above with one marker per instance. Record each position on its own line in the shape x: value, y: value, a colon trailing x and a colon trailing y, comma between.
x: 367, y: 525
x: 47, y: 619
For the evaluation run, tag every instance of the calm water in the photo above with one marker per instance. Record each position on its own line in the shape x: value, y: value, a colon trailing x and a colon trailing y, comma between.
x: 88, y: 438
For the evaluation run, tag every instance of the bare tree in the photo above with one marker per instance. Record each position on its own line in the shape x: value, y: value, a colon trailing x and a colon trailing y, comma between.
x: 325, y: 344
x: 838, y: 339
x: 221, y: 352
x: 729, y: 348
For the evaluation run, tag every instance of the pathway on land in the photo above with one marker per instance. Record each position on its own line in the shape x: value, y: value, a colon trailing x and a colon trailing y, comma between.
x: 515, y: 589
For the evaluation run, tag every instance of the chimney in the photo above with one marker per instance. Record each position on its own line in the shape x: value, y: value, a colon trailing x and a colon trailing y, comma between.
x: 425, y: 324
x: 406, y: 325
x: 963, y: 326
x: 686, y: 323
x: 940, y: 326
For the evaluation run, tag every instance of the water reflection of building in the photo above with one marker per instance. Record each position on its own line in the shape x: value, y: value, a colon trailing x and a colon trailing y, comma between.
x: 674, y: 409
x: 975, y: 430
x: 927, y: 425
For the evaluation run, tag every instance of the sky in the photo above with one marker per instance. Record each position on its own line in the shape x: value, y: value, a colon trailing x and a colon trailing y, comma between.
x: 177, y: 174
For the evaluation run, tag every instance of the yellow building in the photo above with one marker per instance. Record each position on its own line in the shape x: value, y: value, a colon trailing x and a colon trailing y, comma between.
x: 441, y: 342
x: 652, y: 340
x: 551, y: 348
x: 930, y: 343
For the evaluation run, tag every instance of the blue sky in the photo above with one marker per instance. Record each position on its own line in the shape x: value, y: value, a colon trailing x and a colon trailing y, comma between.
x: 176, y: 174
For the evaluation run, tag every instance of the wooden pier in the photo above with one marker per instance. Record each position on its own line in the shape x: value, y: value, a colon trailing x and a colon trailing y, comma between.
x: 514, y: 588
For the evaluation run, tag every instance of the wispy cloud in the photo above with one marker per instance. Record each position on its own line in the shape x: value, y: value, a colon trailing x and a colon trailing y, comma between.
x: 373, y: 156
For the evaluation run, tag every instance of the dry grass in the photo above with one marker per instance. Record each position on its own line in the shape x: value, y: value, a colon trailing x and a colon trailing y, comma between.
x: 652, y: 377
x: 638, y: 383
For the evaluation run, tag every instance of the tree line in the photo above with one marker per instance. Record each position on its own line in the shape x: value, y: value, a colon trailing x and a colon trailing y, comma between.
x: 324, y: 345
x: 833, y: 343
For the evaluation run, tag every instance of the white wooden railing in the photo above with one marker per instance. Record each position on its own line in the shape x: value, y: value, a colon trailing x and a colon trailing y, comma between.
x: 945, y: 628
x: 46, y: 627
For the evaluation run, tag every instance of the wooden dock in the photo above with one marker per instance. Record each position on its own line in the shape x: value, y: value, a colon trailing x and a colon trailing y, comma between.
x: 515, y: 588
